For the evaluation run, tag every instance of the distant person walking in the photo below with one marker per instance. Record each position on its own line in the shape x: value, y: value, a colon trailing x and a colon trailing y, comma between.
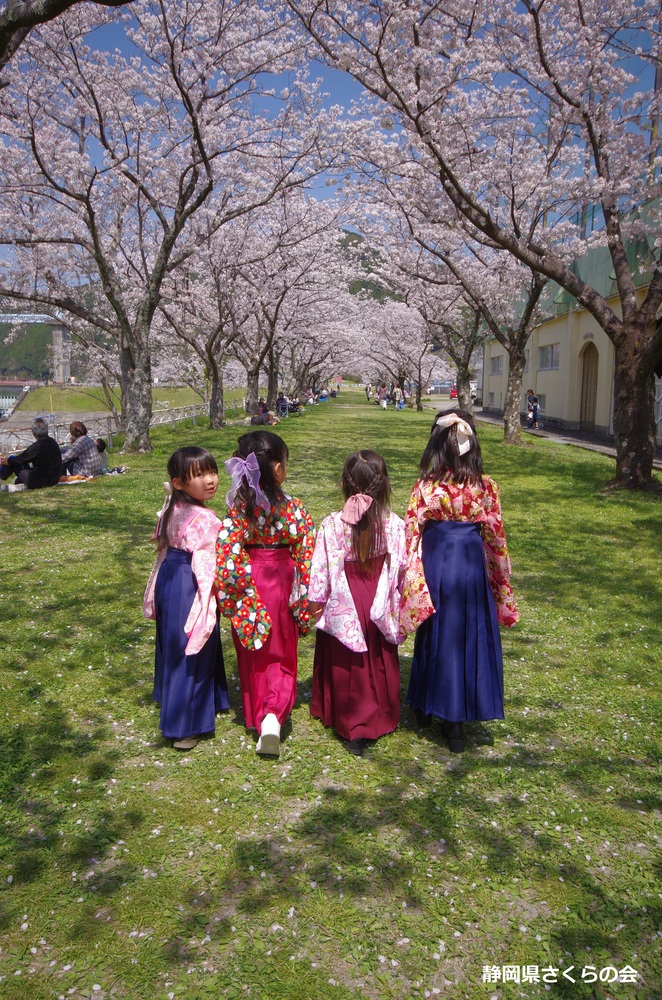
x: 533, y: 416
x: 382, y: 396
x: 368, y: 390
x: 36, y: 467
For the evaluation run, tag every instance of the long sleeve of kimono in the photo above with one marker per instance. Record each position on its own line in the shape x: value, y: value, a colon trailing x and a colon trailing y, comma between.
x: 200, y: 539
x: 417, y: 604
x: 149, y: 605
x: 320, y: 576
x: 498, y: 560
x: 302, y: 554
x: 237, y: 596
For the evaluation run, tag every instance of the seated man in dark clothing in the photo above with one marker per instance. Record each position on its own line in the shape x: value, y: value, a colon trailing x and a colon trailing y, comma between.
x: 39, y: 465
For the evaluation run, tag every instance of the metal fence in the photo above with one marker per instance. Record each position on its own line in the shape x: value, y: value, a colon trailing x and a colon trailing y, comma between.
x: 15, y: 439
x: 175, y: 414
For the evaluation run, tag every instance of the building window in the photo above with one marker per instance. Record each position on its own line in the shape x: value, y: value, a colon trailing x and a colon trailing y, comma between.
x: 491, y: 399
x: 496, y: 365
x: 549, y: 356
x: 542, y: 399
x: 526, y: 363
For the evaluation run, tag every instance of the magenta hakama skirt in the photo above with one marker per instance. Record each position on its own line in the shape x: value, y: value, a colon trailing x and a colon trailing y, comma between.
x: 268, y: 676
x: 358, y: 694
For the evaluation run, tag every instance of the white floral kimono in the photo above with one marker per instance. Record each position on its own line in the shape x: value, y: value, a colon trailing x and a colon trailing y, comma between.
x: 329, y: 585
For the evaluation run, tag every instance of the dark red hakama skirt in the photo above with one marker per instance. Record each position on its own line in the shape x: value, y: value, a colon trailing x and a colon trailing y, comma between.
x: 268, y: 676
x: 358, y: 693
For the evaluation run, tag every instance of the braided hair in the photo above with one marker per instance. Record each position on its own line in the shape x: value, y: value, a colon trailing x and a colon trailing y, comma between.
x: 365, y: 472
x: 269, y: 449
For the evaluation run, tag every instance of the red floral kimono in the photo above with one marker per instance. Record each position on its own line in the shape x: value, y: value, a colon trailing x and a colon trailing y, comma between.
x: 447, y: 501
x: 262, y: 573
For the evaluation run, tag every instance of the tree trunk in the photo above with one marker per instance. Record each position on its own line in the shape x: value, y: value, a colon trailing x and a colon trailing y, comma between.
x: 272, y: 381
x: 512, y: 427
x: 464, y: 389
x: 216, y: 401
x: 634, y: 419
x: 136, y: 397
x: 419, y: 387
x: 252, y: 391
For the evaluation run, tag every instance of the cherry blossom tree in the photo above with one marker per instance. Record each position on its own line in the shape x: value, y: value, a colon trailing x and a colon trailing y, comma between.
x: 401, y: 345
x: 297, y: 266
x: 527, y: 117
x: 20, y: 16
x: 491, y: 292
x: 320, y: 340
x: 204, y: 307
x: 417, y: 260
x: 108, y: 161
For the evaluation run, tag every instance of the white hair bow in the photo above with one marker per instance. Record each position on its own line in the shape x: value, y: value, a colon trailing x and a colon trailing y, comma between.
x: 463, y: 430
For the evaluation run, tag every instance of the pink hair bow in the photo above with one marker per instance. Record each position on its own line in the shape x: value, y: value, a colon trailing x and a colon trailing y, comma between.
x: 355, y: 508
x: 249, y: 467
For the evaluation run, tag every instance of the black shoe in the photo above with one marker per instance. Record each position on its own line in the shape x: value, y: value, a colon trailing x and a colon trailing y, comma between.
x: 454, y: 733
x: 355, y: 747
x: 423, y: 720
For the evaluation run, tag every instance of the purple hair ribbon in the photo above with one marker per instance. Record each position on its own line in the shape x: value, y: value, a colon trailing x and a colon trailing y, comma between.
x: 249, y: 467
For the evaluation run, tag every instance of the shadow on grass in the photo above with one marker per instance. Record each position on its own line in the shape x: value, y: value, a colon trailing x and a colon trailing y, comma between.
x: 33, y: 757
x: 364, y: 834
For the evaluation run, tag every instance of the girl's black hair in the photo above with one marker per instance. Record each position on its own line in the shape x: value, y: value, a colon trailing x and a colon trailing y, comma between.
x: 184, y: 464
x: 441, y: 461
x: 365, y: 472
x: 269, y: 449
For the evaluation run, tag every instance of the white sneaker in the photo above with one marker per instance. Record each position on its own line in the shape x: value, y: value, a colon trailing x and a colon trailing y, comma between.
x: 269, y: 741
x: 13, y: 487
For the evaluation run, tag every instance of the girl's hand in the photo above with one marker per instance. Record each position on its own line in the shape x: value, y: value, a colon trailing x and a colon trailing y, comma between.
x: 315, y: 610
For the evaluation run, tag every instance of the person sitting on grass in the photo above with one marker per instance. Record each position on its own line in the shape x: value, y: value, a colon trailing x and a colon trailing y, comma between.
x: 103, y: 455
x: 36, y: 467
x: 82, y: 457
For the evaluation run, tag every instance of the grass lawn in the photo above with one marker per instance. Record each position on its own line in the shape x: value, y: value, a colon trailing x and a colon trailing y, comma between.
x: 130, y: 870
x: 91, y: 400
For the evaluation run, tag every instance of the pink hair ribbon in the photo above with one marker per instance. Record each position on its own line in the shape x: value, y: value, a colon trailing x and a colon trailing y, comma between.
x: 355, y: 508
x: 249, y: 467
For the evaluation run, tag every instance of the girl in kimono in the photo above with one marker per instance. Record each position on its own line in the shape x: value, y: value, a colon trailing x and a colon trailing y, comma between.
x: 264, y: 549
x: 457, y: 588
x: 189, y: 675
x: 355, y: 591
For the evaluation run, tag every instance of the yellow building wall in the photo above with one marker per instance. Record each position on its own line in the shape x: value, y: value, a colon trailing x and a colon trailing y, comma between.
x: 561, y: 387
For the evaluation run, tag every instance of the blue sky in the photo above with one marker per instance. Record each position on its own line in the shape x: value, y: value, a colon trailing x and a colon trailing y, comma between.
x: 342, y: 88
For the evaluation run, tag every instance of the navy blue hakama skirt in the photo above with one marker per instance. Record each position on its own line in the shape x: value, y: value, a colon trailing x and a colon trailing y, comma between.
x: 457, y: 669
x: 190, y: 689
